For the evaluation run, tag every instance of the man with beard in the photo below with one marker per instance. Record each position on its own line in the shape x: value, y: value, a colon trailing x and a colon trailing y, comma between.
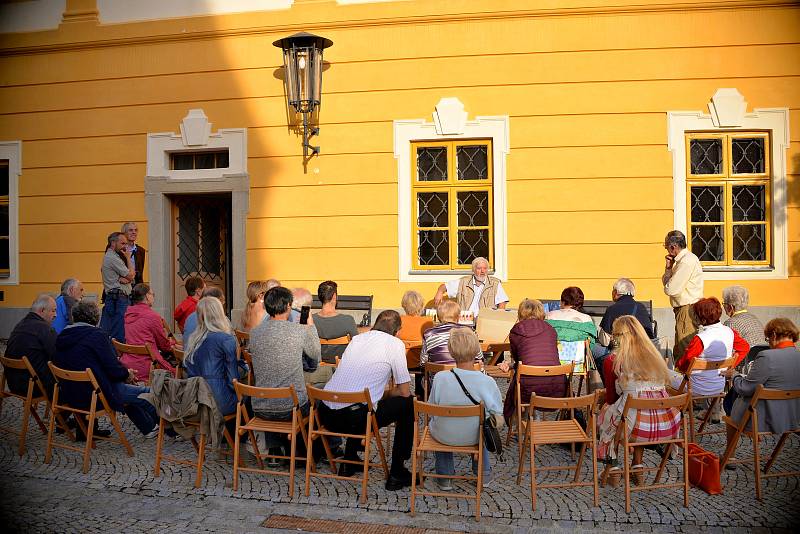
x: 475, y: 291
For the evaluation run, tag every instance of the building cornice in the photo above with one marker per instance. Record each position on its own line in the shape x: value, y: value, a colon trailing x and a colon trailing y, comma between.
x: 90, y: 35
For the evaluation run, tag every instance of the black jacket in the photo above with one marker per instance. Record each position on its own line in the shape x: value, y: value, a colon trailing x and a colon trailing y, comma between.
x: 35, y: 338
x: 79, y: 347
x: 625, y: 305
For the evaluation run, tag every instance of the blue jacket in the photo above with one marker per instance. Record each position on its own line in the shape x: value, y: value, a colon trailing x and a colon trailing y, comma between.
x: 64, y: 306
x: 215, y: 360
x: 79, y: 347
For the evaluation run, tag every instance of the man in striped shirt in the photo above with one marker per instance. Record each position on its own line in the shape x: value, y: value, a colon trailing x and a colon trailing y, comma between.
x: 370, y: 360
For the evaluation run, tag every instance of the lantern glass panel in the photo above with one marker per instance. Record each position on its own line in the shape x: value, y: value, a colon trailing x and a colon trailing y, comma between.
x: 317, y: 76
x: 291, y: 76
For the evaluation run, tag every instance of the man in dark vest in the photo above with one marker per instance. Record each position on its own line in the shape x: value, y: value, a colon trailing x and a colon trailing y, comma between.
x: 138, y: 252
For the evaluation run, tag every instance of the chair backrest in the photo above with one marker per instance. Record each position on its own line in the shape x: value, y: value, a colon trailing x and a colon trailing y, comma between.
x: 763, y: 393
x: 546, y: 370
x: 440, y: 410
x: 565, y: 403
x: 433, y: 368
x: 701, y: 364
x: 344, y: 340
x: 242, y: 337
x: 244, y: 390
x: 339, y: 396
x: 13, y: 363
x: 74, y: 376
x: 139, y: 350
x: 636, y: 403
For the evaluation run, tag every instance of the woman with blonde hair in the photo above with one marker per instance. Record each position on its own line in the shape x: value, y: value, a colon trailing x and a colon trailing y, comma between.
x: 533, y: 342
x: 254, y: 311
x: 638, y: 370
x: 211, y: 353
x: 412, y: 325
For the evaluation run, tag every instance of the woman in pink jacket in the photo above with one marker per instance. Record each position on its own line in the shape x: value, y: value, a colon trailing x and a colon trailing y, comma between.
x: 143, y: 326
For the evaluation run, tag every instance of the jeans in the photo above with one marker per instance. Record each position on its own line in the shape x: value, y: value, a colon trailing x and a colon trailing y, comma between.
x: 112, y: 320
x: 600, y: 353
x: 398, y: 410
x: 444, y: 464
x: 139, y: 411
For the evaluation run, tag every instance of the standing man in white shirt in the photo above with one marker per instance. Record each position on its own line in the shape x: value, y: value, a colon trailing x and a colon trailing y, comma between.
x: 683, y: 283
x: 476, y: 291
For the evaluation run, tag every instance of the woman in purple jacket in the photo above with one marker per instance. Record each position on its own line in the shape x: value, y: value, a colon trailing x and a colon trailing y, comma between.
x: 533, y: 342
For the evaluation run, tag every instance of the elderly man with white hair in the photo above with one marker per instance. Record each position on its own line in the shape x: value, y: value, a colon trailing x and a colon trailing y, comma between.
x: 622, y: 294
x: 71, y: 293
x: 475, y: 291
x: 735, y: 300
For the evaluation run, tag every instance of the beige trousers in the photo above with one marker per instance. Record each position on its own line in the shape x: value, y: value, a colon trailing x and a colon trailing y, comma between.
x: 685, y: 330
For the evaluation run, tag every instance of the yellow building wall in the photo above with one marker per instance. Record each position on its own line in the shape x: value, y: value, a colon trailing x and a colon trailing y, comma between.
x: 587, y: 90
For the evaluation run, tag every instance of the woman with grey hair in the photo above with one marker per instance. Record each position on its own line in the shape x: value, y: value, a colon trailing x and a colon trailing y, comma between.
x: 735, y: 300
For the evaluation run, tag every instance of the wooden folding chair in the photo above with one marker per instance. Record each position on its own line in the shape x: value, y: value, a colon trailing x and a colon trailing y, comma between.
x: 634, y: 403
x: 425, y: 442
x: 698, y: 365
x: 247, y: 424
x: 751, y: 414
x: 93, y: 413
x: 343, y: 340
x: 317, y: 430
x: 141, y: 350
x: 533, y: 370
x: 538, y: 433
x: 247, y: 358
x: 180, y: 370
x: 242, y: 337
x: 30, y: 401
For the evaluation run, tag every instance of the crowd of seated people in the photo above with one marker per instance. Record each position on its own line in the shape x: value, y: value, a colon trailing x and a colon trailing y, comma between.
x: 287, y: 347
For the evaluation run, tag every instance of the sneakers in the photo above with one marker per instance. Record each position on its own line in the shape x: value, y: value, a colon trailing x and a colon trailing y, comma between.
x: 152, y: 434
x: 443, y: 484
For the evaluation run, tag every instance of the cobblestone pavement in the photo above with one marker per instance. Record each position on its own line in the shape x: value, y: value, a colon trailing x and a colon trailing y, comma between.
x: 120, y: 492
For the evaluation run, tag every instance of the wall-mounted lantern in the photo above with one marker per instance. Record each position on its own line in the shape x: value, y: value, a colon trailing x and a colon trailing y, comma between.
x: 302, y: 61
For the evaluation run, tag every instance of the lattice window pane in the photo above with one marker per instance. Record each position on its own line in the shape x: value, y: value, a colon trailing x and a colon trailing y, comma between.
x: 4, y: 220
x: 749, y: 242
x: 433, y: 247
x: 472, y: 162
x: 706, y: 156
x: 472, y: 244
x: 182, y: 162
x: 707, y: 203
x: 708, y: 242
x: 432, y: 164
x: 473, y: 208
x: 749, y: 203
x: 4, y: 256
x: 433, y: 210
x: 211, y: 254
x: 188, y: 245
x: 747, y: 155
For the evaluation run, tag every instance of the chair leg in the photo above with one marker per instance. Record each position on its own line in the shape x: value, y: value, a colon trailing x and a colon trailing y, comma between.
x: 381, y: 451
x: 776, y: 451
x: 580, y: 462
x: 685, y: 446
x: 89, y: 435
x: 594, y: 473
x: 627, y: 474
x: 50, y: 431
x: 35, y: 414
x: 236, y: 444
x: 160, y: 448
x: 730, y: 449
x: 26, y: 416
x: 707, y: 416
x: 292, y: 459
x: 663, y: 463
x: 521, y: 464
x: 414, y: 454
x: 365, y: 474
x: 692, y: 438
x: 201, y: 453
x: 533, y: 475
x: 757, y: 461
x: 479, y: 483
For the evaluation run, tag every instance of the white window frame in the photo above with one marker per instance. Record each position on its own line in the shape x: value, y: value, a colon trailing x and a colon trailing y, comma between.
x: 728, y: 114
x: 450, y: 123
x: 12, y: 151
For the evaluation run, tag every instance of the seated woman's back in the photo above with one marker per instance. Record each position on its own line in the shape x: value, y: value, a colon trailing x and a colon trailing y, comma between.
x: 534, y: 342
x: 215, y: 360
x: 447, y: 392
x: 717, y: 345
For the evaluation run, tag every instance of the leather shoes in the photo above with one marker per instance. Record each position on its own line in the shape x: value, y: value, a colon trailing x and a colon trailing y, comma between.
x: 398, y: 481
x: 97, y: 433
x: 348, y: 470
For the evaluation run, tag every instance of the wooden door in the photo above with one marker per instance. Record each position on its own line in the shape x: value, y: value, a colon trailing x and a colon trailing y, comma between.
x: 202, y: 243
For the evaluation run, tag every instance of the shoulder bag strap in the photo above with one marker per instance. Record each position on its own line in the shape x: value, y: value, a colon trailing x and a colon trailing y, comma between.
x: 460, y: 383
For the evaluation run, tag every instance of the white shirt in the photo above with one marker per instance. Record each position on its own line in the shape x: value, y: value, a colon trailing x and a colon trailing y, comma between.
x: 499, y: 298
x: 369, y: 361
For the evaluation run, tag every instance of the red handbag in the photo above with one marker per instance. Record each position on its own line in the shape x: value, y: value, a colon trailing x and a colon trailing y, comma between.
x: 704, y: 469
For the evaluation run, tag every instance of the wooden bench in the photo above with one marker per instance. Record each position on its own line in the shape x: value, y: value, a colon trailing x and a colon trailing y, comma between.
x: 351, y: 303
x: 597, y: 308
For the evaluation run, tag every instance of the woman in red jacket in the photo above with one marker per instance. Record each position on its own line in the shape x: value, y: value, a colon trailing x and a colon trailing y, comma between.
x: 144, y: 326
x: 533, y: 342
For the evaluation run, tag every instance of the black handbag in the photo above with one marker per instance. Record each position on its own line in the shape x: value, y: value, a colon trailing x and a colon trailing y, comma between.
x: 491, y: 436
